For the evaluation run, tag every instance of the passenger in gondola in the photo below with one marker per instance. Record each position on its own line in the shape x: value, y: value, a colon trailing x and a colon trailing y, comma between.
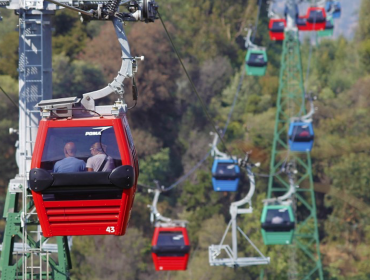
x: 70, y: 163
x: 100, y: 161
x: 277, y: 220
x: 304, y: 134
x: 280, y: 217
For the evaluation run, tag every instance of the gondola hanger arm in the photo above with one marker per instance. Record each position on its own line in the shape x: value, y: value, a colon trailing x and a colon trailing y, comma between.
x: 308, y: 117
x: 284, y: 199
x: 215, y: 152
x: 138, y: 10
x: 234, y: 207
x: 248, y: 43
x: 232, y: 259
x: 291, y: 191
x: 154, y: 214
x: 271, y: 12
x: 126, y: 71
x: 291, y: 9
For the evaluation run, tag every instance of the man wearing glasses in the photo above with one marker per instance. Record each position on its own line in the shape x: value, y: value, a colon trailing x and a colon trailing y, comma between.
x: 100, y: 161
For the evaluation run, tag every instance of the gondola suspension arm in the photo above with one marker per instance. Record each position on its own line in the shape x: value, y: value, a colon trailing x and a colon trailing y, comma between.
x: 286, y: 198
x: 215, y: 152
x: 154, y: 214
x: 248, y: 42
x: 271, y: 12
x: 128, y: 68
x: 308, y: 117
x: 139, y: 10
x: 232, y: 252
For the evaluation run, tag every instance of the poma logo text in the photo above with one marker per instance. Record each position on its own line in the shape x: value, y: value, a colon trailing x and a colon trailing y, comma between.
x: 93, y: 133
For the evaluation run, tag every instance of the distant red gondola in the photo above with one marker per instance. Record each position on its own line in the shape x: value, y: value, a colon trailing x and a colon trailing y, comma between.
x: 170, y: 247
x: 77, y: 202
x: 302, y: 24
x: 276, y: 29
x: 316, y: 19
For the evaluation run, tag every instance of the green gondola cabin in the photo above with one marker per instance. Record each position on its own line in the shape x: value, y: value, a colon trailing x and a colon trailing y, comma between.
x: 277, y: 222
x: 329, y: 29
x: 256, y: 62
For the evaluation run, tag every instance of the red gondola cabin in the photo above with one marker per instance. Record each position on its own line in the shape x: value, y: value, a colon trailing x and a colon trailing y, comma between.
x: 78, y: 202
x: 302, y: 24
x: 276, y: 29
x: 170, y: 247
x: 315, y: 19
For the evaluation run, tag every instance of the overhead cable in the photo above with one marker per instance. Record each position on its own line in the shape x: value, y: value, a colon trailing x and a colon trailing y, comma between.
x: 257, y: 19
x: 192, y: 85
x: 192, y: 170
x: 13, y: 102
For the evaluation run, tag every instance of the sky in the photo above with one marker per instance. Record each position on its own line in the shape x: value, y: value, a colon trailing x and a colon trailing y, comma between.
x: 345, y: 25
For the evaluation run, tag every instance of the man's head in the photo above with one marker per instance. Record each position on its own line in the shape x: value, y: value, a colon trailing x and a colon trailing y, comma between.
x: 70, y: 149
x: 98, y: 148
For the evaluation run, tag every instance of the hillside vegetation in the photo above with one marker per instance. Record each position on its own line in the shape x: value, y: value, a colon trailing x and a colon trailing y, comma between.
x: 171, y: 132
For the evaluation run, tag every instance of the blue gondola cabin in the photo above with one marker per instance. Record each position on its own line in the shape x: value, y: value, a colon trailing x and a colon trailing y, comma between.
x: 334, y: 7
x: 225, y: 175
x: 301, y: 136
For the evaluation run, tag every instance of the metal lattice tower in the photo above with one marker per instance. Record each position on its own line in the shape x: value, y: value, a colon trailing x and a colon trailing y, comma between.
x: 25, y: 253
x: 291, y: 103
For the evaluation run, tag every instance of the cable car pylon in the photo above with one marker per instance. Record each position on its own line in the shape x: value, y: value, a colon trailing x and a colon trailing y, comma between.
x: 290, y: 102
x: 230, y: 254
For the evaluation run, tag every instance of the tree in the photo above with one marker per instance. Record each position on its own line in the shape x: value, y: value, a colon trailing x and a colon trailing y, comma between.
x: 9, y: 55
x: 75, y: 78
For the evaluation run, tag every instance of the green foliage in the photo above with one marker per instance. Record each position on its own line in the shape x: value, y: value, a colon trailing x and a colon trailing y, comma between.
x: 171, y: 132
x: 200, y: 201
x: 209, y: 28
x: 364, y: 50
x: 102, y: 255
x: 69, y: 39
x: 75, y: 78
x: 9, y: 54
x: 155, y: 167
x: 363, y: 29
x: 8, y: 24
x: 8, y: 119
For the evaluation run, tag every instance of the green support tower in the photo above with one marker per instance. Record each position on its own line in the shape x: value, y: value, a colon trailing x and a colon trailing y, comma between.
x: 31, y: 258
x: 306, y: 261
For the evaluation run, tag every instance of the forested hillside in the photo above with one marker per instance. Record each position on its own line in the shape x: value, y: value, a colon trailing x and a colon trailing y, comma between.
x: 171, y: 132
